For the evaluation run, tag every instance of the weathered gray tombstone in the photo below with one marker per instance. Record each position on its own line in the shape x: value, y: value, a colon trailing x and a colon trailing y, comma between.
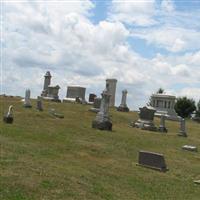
x: 96, y: 105
x: 92, y: 97
x: 162, y: 127
x: 182, y: 131
x: 39, y: 104
x: 27, y: 101
x: 53, y: 112
x: 146, y: 117
x: 123, y: 106
x: 78, y: 100
x: 152, y: 160
x: 102, y: 120
x: 189, y: 148
x: 8, y: 118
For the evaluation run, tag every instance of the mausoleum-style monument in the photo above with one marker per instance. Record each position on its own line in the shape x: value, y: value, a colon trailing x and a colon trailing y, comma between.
x: 111, y: 85
x: 50, y: 92
x: 164, y: 105
x: 102, y: 120
x: 123, y: 106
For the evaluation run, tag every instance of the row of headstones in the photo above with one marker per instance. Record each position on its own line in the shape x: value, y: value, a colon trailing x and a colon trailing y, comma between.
x: 145, y: 121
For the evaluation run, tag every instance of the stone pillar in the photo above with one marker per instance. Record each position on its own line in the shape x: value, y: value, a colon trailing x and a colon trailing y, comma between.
x: 111, y: 87
x: 182, y: 131
x: 47, y: 82
x: 162, y: 127
x: 27, y: 102
x: 102, y: 120
x: 123, y: 106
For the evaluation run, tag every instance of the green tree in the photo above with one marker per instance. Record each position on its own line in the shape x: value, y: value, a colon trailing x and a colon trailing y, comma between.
x: 184, y: 106
x: 160, y: 91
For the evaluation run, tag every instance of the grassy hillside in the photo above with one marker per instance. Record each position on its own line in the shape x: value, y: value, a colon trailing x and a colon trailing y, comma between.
x: 45, y: 158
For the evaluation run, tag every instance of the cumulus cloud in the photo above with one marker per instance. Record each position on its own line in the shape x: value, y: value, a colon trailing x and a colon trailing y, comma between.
x: 173, y: 39
x: 133, y: 12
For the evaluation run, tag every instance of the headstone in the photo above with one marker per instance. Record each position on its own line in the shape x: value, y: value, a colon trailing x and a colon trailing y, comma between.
x: 52, y: 93
x: 92, y: 97
x: 189, y: 148
x: 182, y: 131
x: 146, y: 117
x: 96, y: 105
x: 102, y: 120
x: 162, y: 127
x: 197, y: 182
x: 55, y: 114
x: 8, y: 118
x: 152, y: 160
x: 39, y: 104
x: 27, y: 102
x: 78, y: 100
x: 76, y: 91
x: 123, y: 106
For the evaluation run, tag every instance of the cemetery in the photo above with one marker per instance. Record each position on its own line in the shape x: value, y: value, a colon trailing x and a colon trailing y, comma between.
x: 53, y: 150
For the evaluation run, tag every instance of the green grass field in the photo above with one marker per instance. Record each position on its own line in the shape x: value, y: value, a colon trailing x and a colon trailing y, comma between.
x: 46, y: 158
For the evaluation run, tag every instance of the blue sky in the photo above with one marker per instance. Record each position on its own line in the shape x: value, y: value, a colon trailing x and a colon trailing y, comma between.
x: 144, y: 44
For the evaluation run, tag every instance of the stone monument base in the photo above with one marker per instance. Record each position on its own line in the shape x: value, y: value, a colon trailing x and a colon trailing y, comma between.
x: 182, y: 134
x: 95, y: 110
x: 27, y: 106
x: 8, y: 120
x: 102, y: 125
x: 145, y: 125
x: 162, y: 129
x: 123, y: 109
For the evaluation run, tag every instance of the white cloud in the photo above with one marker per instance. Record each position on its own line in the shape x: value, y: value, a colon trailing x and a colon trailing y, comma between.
x: 190, y: 92
x: 167, y: 6
x: 133, y: 12
x: 174, y: 39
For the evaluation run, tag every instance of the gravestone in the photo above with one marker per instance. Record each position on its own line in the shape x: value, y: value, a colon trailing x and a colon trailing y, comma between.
x: 96, y: 105
x: 189, y: 148
x: 162, y: 127
x: 53, y: 112
x: 197, y: 182
x: 152, y: 160
x: 146, y: 117
x: 182, y: 131
x: 92, y: 97
x: 39, y: 104
x: 76, y: 91
x: 123, y: 106
x: 102, y: 120
x: 8, y: 118
x: 27, y: 101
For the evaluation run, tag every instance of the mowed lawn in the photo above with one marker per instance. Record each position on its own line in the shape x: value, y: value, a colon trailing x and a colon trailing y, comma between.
x: 46, y: 158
